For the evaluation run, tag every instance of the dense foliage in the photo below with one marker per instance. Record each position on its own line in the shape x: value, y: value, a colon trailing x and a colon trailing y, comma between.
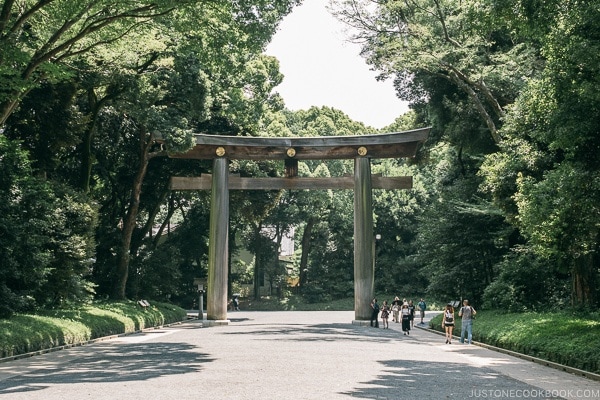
x: 510, y: 89
x: 95, y: 95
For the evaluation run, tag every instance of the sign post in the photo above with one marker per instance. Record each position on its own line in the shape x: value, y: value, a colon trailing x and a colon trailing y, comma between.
x: 201, y: 299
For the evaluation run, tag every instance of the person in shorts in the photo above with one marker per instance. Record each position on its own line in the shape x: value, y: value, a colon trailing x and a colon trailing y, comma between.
x: 448, y: 322
x: 385, y: 313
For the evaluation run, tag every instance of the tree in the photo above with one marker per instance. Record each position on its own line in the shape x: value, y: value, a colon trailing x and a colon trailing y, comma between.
x: 312, y: 207
x: 549, y: 160
x: 126, y: 76
x: 167, y: 264
x: 460, y: 42
x: 36, y: 38
x: 46, y: 237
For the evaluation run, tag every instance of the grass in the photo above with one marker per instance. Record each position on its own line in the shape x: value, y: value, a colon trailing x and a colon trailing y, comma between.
x: 561, y: 336
x: 29, y: 333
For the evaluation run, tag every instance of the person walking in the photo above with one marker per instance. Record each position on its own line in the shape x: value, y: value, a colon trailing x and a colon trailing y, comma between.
x: 375, y: 313
x: 466, y: 313
x: 396, y: 305
x: 422, y: 307
x: 411, y: 309
x: 405, y: 315
x: 448, y: 322
x: 385, y: 313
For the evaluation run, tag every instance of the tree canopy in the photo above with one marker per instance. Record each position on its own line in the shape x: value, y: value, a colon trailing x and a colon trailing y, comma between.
x: 95, y: 96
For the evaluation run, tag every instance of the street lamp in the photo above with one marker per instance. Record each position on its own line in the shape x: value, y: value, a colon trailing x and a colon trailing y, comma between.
x: 376, y: 238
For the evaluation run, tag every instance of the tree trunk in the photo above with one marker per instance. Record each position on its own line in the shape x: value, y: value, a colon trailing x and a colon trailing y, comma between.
x: 152, y: 219
x: 86, y: 144
x: 257, y: 269
x: 6, y: 109
x: 584, y: 282
x: 257, y: 261
x: 129, y: 223
x: 461, y: 83
x: 305, y: 251
x: 232, y: 247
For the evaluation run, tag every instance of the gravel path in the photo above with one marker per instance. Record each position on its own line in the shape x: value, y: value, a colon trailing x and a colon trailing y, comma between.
x: 284, y: 355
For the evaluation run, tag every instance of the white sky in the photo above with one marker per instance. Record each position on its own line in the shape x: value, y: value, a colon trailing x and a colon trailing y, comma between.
x: 322, y: 68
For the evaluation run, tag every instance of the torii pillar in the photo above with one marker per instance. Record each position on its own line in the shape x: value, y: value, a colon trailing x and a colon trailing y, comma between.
x: 218, y: 246
x: 364, y: 274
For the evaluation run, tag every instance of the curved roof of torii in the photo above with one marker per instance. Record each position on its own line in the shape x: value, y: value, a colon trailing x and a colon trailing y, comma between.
x: 383, y: 145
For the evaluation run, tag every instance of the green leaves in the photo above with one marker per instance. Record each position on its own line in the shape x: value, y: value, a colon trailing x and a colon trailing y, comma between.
x: 46, y: 239
x: 549, y: 158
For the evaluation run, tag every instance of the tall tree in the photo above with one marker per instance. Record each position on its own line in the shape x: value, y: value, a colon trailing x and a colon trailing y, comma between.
x: 457, y: 41
x: 37, y: 37
x: 139, y: 75
x: 549, y: 163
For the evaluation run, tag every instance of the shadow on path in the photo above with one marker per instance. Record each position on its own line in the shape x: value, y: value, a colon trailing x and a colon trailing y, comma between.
x: 434, y: 380
x: 111, y: 363
x: 318, y: 332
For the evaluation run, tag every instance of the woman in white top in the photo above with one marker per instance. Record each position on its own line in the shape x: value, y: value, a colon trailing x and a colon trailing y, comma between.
x: 405, y: 315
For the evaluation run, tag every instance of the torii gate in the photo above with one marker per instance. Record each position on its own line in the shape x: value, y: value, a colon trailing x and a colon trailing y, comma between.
x: 221, y: 149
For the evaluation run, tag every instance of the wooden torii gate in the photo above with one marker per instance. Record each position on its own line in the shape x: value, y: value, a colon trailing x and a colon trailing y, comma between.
x: 221, y: 149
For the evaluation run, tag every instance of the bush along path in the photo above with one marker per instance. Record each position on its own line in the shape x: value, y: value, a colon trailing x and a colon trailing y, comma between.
x: 24, y: 334
x: 560, y: 337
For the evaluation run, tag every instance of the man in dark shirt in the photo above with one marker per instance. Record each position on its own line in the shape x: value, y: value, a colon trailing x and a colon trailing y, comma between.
x: 375, y: 313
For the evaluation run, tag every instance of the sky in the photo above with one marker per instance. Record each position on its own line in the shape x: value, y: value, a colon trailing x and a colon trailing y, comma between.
x: 321, y: 68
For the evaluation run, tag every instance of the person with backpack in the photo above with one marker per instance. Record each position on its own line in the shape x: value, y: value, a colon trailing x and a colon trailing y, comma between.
x: 466, y: 313
x: 448, y: 322
x: 375, y: 313
x: 422, y: 307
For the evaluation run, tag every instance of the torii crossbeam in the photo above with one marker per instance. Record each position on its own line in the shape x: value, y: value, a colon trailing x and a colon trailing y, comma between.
x: 291, y: 149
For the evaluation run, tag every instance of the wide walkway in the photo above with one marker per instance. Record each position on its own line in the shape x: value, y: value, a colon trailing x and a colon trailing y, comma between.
x: 284, y: 355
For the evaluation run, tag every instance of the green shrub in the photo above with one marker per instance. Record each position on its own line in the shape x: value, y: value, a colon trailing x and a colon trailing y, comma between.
x: 27, y: 333
x: 524, y: 284
x: 315, y: 294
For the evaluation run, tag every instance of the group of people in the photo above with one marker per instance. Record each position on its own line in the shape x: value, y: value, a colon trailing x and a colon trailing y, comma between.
x: 466, y: 313
x: 401, y: 310
x: 404, y: 311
